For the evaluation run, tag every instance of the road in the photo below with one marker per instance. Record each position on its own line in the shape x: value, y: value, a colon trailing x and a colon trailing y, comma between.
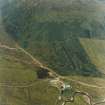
x: 85, y: 84
x: 7, y: 47
x: 38, y: 63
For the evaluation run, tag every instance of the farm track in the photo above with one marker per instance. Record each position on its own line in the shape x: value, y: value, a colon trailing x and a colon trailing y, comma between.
x: 42, y: 66
x: 38, y: 63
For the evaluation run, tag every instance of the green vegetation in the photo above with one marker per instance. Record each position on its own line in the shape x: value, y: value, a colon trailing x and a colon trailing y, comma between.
x: 65, y: 36
x: 19, y: 84
x: 18, y: 77
x: 95, y: 49
x: 52, y: 35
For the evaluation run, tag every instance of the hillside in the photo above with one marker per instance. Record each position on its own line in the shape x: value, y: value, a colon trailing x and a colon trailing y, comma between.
x: 44, y: 40
x: 18, y: 79
x: 20, y: 85
x: 4, y: 37
x: 51, y: 32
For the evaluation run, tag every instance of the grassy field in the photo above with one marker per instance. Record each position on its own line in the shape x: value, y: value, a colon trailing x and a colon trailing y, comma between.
x: 19, y: 84
x: 95, y: 49
x: 64, y: 36
x: 15, y: 80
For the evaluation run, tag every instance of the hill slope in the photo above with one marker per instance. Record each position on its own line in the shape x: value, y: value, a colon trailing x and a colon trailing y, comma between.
x: 62, y: 35
x: 51, y: 32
